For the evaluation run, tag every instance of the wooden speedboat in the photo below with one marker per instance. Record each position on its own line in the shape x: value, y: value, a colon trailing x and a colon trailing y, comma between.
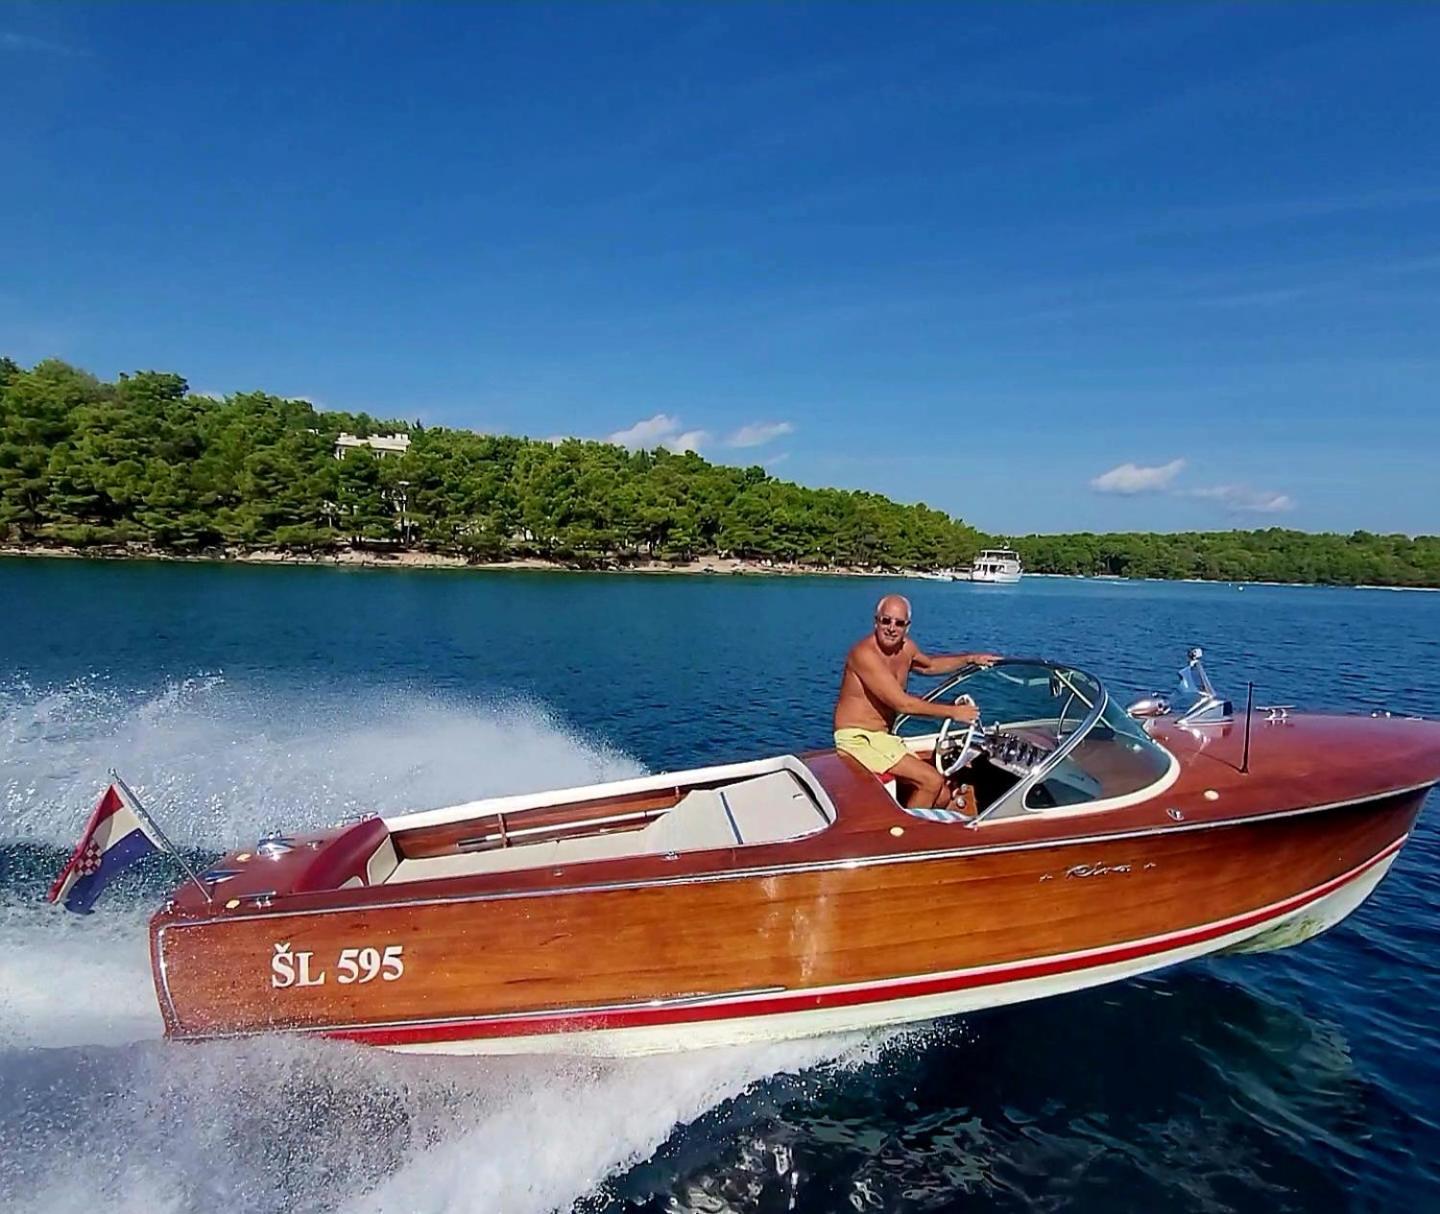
x: 792, y: 896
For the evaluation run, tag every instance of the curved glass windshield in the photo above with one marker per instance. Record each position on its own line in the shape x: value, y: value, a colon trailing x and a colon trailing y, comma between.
x: 1078, y: 746
x: 1037, y: 697
x: 1116, y: 757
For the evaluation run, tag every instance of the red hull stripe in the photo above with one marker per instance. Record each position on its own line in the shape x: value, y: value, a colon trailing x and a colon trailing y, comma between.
x: 530, y: 1024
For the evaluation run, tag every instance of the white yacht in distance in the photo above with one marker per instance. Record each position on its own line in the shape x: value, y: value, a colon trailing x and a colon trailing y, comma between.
x: 999, y: 565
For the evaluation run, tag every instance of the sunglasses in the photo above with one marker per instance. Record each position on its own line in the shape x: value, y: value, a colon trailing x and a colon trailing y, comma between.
x: 892, y: 619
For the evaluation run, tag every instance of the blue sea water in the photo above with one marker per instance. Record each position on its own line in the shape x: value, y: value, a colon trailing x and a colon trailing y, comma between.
x: 240, y: 698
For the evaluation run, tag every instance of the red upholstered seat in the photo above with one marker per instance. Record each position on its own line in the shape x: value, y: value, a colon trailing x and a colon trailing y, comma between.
x: 344, y: 857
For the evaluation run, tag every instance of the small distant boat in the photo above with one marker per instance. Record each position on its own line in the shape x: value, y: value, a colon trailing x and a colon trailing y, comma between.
x: 792, y: 895
x: 999, y: 566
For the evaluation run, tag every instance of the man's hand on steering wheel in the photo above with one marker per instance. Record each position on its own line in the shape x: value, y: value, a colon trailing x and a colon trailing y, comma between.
x: 962, y: 722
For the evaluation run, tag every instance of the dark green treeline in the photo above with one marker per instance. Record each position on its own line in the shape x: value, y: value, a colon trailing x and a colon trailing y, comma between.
x: 1272, y: 555
x: 143, y: 462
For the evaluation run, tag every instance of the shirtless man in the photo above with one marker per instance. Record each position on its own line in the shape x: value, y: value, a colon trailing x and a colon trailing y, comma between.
x: 872, y: 694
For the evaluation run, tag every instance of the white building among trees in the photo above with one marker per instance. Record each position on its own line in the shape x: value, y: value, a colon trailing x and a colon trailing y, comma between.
x: 381, y: 444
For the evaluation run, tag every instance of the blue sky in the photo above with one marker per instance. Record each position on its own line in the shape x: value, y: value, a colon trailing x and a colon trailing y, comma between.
x: 1014, y: 261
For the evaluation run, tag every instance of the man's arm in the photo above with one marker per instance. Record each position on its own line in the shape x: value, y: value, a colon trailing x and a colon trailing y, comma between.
x: 881, y: 684
x: 944, y: 663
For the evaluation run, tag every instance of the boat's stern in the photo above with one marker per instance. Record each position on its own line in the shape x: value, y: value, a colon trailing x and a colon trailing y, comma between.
x: 243, y: 886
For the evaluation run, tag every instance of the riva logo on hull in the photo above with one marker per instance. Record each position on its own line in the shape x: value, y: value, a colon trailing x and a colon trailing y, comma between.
x: 353, y: 965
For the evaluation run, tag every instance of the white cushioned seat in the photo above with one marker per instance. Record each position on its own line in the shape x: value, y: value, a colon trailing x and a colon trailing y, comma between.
x: 598, y: 847
x: 468, y: 863
x: 762, y: 809
x: 382, y: 863
x: 769, y: 808
x: 697, y: 822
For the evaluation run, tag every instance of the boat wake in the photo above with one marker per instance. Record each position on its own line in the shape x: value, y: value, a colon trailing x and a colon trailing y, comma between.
x: 65, y: 981
x: 219, y: 762
x: 95, y: 1108
x: 271, y: 1124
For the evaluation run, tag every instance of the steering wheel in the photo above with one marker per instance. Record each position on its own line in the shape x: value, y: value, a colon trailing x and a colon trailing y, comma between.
x: 963, y: 747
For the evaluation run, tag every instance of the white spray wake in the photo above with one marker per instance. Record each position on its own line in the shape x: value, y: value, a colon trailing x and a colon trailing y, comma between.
x: 218, y: 762
x: 310, y: 1126
x: 65, y: 981
x: 108, y: 1116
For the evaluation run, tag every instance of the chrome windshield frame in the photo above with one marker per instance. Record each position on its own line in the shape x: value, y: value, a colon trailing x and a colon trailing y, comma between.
x: 1011, y: 803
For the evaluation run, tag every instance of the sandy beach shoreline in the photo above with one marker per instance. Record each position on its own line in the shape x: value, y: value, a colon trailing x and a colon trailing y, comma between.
x: 357, y: 558
x: 369, y: 559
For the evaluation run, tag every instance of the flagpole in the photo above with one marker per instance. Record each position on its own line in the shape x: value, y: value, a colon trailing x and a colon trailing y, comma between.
x: 140, y: 812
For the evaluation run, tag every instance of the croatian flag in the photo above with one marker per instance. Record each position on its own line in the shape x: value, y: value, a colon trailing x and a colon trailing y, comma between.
x: 115, y: 837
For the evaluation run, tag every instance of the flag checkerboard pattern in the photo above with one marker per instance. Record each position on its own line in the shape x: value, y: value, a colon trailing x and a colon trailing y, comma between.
x: 115, y: 837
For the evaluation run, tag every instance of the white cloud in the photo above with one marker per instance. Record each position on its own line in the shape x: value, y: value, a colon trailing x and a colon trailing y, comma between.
x: 665, y: 430
x: 1130, y: 479
x: 691, y: 440
x: 1241, y: 499
x: 1133, y: 478
x: 662, y: 430
x: 647, y: 433
x: 28, y: 42
x: 774, y: 460
x: 757, y: 434
x: 219, y: 394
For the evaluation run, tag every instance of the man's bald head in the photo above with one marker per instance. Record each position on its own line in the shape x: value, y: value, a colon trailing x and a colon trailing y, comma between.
x: 892, y: 618
x: 894, y: 604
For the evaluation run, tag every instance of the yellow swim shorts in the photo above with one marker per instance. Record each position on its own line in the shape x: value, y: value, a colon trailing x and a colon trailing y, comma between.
x: 875, y: 750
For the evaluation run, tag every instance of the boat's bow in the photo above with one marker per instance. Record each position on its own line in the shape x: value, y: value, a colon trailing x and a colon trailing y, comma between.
x: 1284, y: 761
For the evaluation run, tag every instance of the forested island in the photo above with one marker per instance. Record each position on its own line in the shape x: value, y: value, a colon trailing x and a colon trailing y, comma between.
x: 144, y: 466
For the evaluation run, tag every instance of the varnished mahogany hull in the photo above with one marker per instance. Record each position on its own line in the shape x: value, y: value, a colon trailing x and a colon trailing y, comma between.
x: 774, y: 949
